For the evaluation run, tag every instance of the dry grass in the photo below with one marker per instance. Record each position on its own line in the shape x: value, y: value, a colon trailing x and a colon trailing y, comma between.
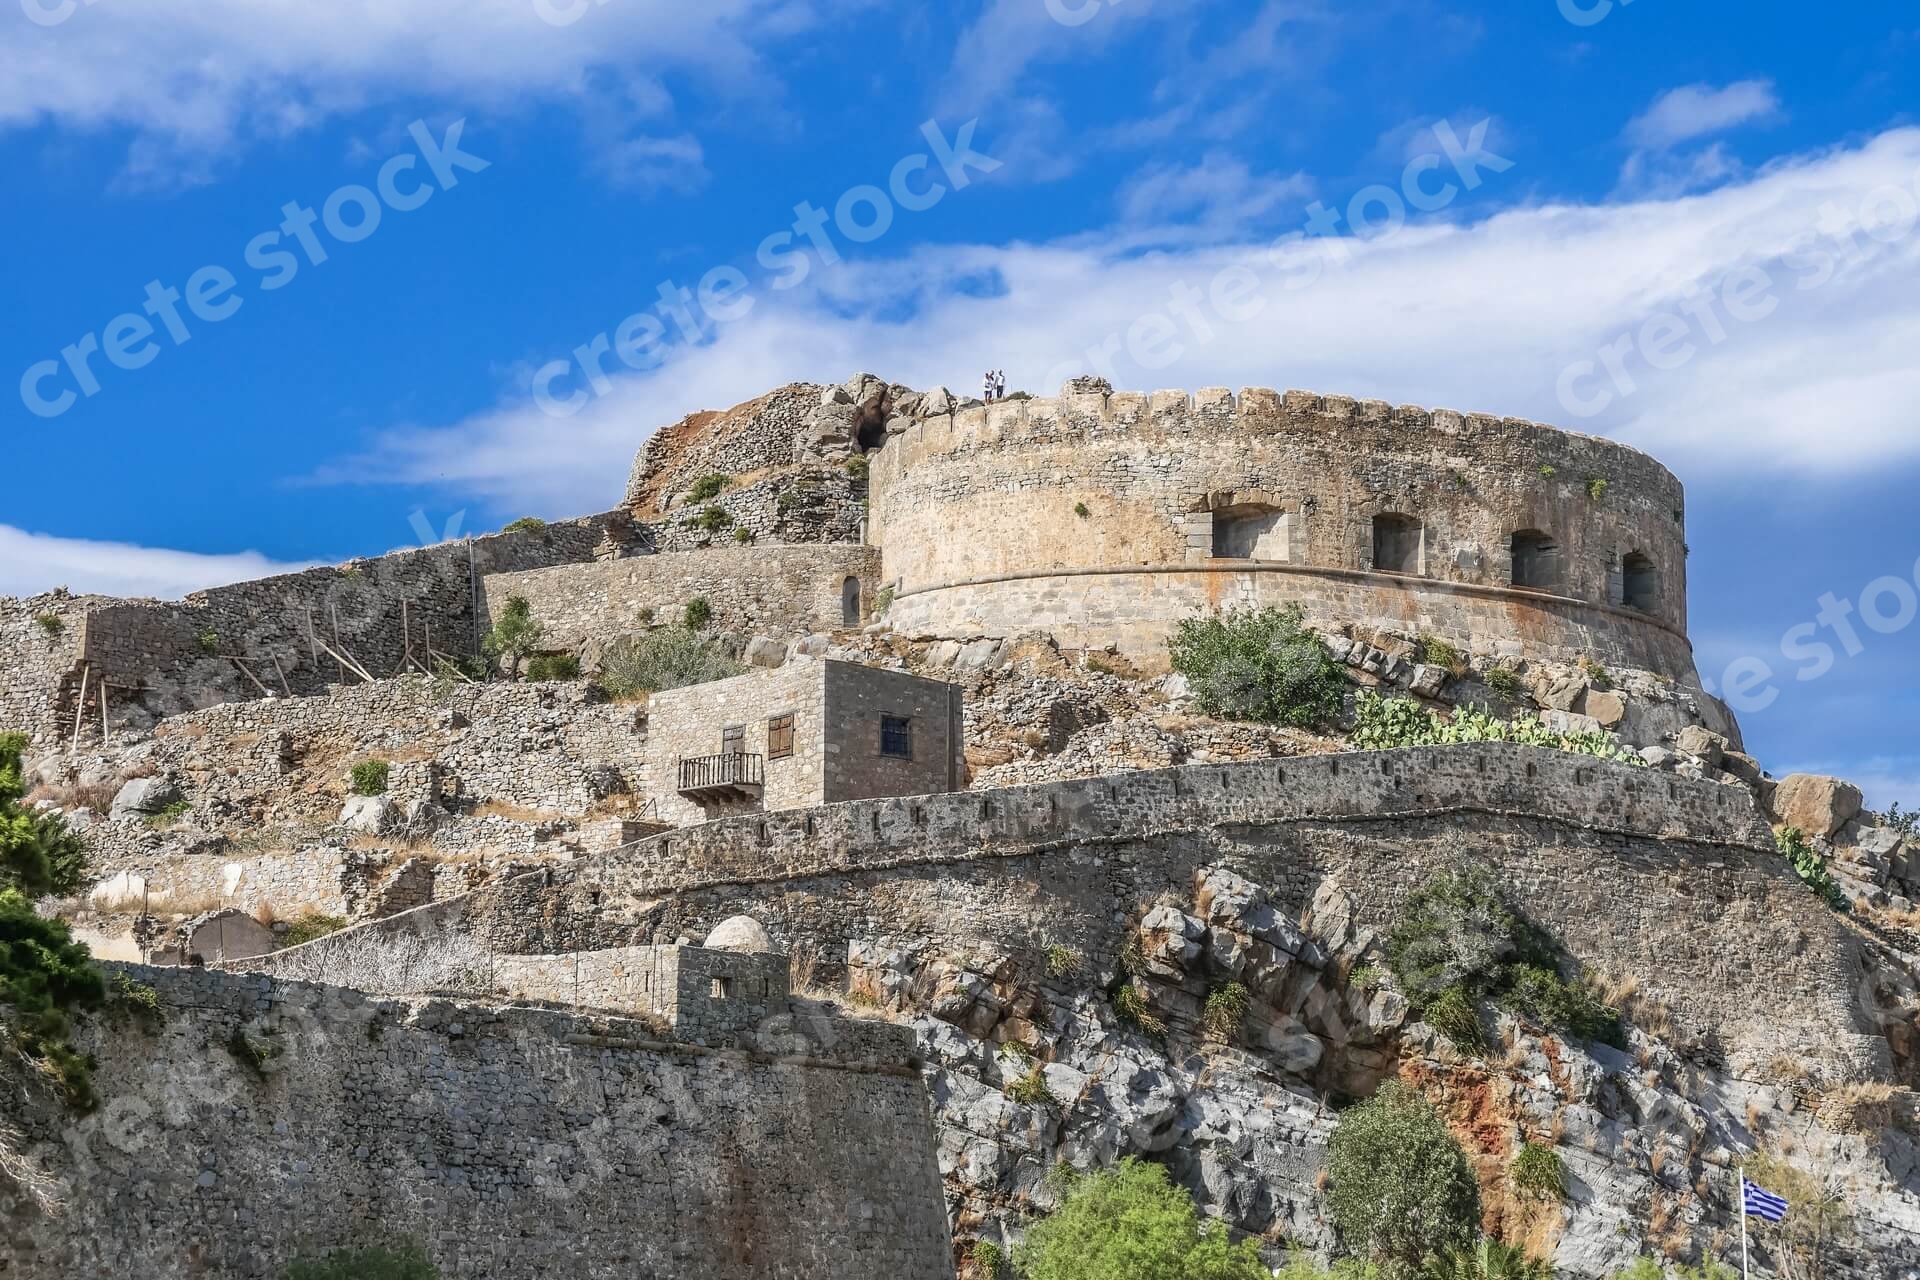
x: 1648, y: 1013
x: 97, y: 797
x: 17, y: 1168
x: 1859, y: 1108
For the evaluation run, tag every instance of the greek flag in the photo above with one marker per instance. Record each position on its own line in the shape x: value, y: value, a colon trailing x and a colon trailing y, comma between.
x: 1762, y: 1204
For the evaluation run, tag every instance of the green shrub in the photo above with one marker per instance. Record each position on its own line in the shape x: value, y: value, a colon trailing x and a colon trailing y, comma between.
x: 1225, y: 1011
x: 370, y: 777
x: 712, y: 519
x: 1546, y: 472
x: 51, y: 623
x: 986, y: 1259
x: 1080, y: 509
x: 209, y: 641
x: 1132, y: 1008
x: 743, y: 535
x: 515, y: 633
x: 1810, y: 867
x: 1452, y: 1013
x: 45, y: 976
x: 142, y: 999
x: 882, y: 601
x: 1436, y: 652
x: 1503, y: 680
x: 1644, y: 1268
x: 1131, y: 1223
x: 708, y: 487
x: 1062, y: 961
x: 1031, y: 1089
x: 1537, y: 1172
x: 1597, y: 674
x: 553, y: 666
x: 1596, y: 488
x: 699, y: 612
x: 1458, y: 939
x: 664, y: 658
x: 526, y: 524
x: 1302, y: 1266
x: 1386, y: 723
x: 1488, y: 1260
x: 1258, y: 664
x: 39, y: 854
x: 310, y: 926
x: 857, y: 466
x: 406, y: 1263
x: 168, y: 814
x: 1400, y: 1190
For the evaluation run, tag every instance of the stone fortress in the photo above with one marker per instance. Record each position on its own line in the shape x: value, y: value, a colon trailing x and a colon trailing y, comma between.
x: 953, y: 805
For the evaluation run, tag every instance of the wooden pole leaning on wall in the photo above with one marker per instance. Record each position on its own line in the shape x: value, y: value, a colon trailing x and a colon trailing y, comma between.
x: 277, y: 670
x: 103, y: 713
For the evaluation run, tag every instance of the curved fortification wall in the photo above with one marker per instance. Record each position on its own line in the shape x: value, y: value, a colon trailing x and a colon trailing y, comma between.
x: 1107, y: 517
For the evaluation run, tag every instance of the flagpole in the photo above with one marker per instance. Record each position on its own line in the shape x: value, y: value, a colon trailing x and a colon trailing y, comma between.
x: 1740, y: 1207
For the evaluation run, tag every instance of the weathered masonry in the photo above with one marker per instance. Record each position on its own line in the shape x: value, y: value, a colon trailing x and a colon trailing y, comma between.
x: 811, y: 732
x: 1106, y: 517
x: 263, y: 1121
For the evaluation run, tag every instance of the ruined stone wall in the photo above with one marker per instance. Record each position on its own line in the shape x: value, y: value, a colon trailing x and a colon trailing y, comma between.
x: 160, y: 658
x: 40, y: 662
x: 547, y: 746
x: 775, y: 590
x: 820, y: 503
x: 264, y: 1121
x: 759, y: 435
x: 1703, y: 901
x: 1095, y: 514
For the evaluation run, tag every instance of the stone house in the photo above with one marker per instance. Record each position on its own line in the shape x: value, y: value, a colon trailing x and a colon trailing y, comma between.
x: 811, y: 732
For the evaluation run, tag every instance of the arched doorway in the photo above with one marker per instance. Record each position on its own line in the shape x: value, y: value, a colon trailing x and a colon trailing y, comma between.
x: 850, y: 603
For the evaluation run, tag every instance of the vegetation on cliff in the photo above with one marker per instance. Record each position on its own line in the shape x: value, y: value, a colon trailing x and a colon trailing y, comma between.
x: 1131, y: 1223
x: 1384, y: 723
x: 1458, y: 940
x: 1258, y: 664
x: 664, y: 658
x: 45, y: 975
x: 376, y: 1263
x: 1399, y: 1187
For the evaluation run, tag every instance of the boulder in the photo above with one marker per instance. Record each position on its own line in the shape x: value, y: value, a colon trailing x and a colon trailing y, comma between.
x: 370, y: 815
x: 1703, y: 743
x: 763, y: 651
x: 1742, y: 766
x: 835, y: 395
x: 1561, y: 693
x: 1570, y: 722
x: 143, y: 796
x: 1606, y: 706
x: 1658, y: 757
x: 1428, y: 680
x: 937, y: 402
x: 1818, y: 805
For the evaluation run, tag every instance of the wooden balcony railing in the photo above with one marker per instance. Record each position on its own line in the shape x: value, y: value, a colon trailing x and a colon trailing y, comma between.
x: 734, y: 773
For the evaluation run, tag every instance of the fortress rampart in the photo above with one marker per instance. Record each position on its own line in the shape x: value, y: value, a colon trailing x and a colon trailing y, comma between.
x: 262, y: 1121
x: 1107, y: 517
x: 1704, y: 897
x: 752, y: 590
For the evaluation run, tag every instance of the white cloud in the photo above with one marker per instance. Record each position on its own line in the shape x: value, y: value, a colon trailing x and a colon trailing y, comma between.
x: 1475, y: 315
x: 34, y: 562
x: 1697, y: 110
x: 1218, y: 195
x: 190, y: 78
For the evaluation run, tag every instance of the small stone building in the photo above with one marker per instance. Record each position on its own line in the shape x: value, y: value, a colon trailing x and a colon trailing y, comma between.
x: 213, y: 937
x: 816, y: 731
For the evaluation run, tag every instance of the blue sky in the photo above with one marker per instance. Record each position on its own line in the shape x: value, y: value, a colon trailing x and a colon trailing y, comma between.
x: 1648, y: 155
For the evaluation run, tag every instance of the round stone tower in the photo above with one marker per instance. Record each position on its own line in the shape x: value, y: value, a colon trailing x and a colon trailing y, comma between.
x: 1105, y: 518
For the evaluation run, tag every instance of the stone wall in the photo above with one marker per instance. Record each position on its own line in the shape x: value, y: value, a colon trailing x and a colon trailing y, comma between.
x: 548, y: 747
x: 40, y: 662
x: 263, y: 1121
x: 986, y: 515
x: 836, y: 754
x: 774, y: 590
x: 160, y: 658
x: 799, y: 504
x: 1704, y: 901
